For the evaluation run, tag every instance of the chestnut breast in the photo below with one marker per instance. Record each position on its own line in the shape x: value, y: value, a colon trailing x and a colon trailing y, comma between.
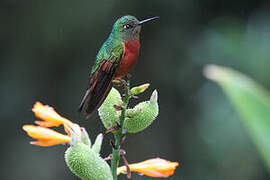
x: 129, y: 58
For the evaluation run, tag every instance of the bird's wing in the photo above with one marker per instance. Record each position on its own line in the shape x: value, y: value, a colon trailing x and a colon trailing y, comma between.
x: 100, y: 82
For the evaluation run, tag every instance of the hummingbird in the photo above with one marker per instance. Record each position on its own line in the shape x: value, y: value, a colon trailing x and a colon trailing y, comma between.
x: 114, y: 60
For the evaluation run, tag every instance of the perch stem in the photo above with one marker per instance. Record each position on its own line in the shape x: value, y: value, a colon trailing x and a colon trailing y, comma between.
x: 119, y: 134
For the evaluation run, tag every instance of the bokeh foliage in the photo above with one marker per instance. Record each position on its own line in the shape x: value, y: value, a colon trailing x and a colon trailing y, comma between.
x: 251, y: 101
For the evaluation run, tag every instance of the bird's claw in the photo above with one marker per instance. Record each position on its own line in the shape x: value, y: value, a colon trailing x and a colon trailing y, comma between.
x: 117, y: 82
x: 120, y: 82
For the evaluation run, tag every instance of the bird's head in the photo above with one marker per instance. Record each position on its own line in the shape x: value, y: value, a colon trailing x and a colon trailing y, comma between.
x: 128, y: 27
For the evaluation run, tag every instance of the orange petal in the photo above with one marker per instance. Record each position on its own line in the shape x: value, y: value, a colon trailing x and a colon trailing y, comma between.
x: 46, y: 123
x: 45, y: 136
x: 153, y: 167
x: 49, y: 115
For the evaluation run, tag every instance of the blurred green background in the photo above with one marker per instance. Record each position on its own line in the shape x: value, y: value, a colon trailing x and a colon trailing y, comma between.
x: 48, y: 47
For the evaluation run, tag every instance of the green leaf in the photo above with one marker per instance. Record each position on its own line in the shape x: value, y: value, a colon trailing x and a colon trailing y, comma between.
x: 251, y: 101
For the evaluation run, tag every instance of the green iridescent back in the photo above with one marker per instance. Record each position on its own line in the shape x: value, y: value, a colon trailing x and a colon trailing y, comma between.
x: 111, y: 50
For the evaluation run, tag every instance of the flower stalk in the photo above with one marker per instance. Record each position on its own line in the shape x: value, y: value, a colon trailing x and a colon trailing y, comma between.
x: 119, y: 134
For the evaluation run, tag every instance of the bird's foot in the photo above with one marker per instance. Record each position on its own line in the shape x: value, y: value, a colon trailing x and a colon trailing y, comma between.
x: 117, y: 82
x: 120, y: 82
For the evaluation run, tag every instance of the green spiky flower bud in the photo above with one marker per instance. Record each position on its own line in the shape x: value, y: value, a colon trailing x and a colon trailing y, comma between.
x: 142, y: 115
x: 139, y: 89
x: 84, y: 160
x: 86, y: 163
x: 107, y: 112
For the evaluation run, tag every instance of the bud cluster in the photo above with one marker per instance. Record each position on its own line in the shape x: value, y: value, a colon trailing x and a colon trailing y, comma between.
x: 137, y: 118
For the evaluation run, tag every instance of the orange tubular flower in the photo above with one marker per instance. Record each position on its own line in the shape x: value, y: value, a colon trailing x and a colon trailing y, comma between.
x: 153, y: 167
x: 50, y: 117
x: 45, y: 136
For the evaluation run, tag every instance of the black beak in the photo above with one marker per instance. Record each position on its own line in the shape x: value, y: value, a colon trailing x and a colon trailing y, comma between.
x: 147, y: 20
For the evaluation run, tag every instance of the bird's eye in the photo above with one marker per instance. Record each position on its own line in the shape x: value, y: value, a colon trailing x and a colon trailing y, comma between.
x: 128, y: 26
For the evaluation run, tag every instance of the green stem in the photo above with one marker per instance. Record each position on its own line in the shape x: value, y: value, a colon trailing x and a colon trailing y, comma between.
x: 119, y: 134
